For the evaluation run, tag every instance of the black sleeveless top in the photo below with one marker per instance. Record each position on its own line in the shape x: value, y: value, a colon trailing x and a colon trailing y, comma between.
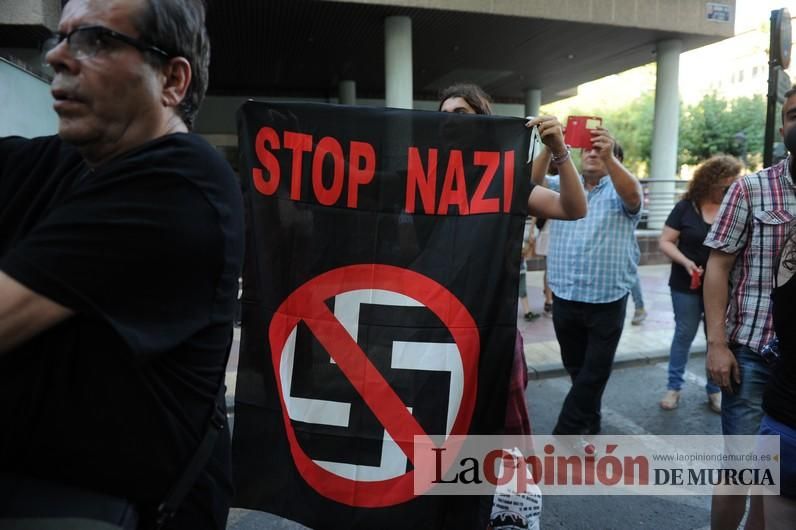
x: 779, y: 396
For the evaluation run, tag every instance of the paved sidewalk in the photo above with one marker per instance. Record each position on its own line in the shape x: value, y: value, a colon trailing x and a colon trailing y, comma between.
x: 646, y: 343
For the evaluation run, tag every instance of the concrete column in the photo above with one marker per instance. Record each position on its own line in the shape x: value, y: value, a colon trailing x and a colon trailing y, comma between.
x: 398, y: 91
x: 348, y: 92
x: 30, y: 13
x: 663, y: 164
x: 533, y: 100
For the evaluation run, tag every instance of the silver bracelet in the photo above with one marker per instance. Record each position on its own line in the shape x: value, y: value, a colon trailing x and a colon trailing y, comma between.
x: 558, y: 160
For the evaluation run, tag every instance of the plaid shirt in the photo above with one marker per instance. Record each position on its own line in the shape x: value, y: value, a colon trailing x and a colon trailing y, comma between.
x: 752, y: 222
x: 594, y: 259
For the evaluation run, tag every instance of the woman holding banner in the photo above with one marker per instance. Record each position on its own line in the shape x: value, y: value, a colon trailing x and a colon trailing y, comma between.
x: 465, y: 98
x: 570, y: 204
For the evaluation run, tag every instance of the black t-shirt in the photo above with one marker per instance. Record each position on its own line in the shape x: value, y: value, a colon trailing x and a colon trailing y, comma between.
x: 146, y: 250
x: 780, y: 393
x: 685, y: 218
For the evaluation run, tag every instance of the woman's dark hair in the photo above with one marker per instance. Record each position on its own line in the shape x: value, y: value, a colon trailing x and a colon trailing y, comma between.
x: 709, y: 173
x: 619, y: 153
x: 472, y: 94
x: 178, y: 27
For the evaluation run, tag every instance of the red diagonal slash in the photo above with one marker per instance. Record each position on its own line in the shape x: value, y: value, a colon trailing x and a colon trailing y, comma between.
x: 308, y: 303
x: 377, y: 393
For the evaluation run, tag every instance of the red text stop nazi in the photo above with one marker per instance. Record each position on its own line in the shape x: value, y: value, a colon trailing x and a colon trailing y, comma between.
x: 435, y: 181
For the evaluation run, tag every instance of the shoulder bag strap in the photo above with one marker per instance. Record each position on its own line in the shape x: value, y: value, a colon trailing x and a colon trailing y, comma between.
x: 186, y: 481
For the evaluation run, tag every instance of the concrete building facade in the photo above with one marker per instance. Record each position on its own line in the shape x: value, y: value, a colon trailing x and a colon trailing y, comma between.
x: 401, y: 53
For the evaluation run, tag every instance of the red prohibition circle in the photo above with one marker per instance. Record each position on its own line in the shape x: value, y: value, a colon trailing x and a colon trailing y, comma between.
x: 308, y: 304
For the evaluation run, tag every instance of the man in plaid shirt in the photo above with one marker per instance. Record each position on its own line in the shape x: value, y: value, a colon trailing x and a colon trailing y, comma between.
x: 746, y: 239
x: 591, y: 267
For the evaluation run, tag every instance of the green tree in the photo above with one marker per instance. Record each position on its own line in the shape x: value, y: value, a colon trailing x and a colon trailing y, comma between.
x: 715, y: 125
x: 711, y: 126
x: 631, y: 125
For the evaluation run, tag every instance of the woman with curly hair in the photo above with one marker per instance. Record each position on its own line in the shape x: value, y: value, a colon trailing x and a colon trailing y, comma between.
x: 681, y: 240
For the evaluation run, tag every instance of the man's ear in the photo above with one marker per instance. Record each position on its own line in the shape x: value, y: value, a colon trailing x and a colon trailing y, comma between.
x: 176, y: 79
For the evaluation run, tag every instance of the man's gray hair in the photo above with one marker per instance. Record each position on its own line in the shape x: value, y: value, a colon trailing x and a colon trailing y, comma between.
x: 178, y: 27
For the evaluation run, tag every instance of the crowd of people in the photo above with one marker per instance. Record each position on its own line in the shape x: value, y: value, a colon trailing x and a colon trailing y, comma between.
x: 724, y: 231
x: 118, y: 290
x: 729, y: 239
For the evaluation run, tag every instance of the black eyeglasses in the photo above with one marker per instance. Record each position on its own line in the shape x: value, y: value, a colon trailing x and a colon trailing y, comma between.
x: 87, y: 41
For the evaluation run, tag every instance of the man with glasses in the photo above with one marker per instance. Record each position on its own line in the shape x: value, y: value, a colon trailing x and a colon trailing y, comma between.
x: 591, y: 267
x: 745, y: 240
x: 120, y: 249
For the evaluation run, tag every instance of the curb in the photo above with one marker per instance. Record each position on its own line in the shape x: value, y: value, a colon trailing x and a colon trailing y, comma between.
x: 550, y: 370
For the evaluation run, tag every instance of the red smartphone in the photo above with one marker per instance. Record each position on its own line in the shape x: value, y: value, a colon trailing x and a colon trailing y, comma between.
x: 578, y: 133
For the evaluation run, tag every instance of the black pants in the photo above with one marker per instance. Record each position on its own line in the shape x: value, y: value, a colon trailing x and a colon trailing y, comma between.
x: 587, y: 335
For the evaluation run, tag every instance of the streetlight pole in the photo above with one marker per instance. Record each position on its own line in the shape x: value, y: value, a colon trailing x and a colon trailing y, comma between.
x: 778, y: 60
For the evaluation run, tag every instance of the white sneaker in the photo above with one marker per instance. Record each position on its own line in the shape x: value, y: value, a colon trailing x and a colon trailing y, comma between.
x: 670, y: 400
x: 714, y: 402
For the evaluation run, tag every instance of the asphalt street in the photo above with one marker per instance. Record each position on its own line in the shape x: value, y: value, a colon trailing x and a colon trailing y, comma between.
x: 630, y: 406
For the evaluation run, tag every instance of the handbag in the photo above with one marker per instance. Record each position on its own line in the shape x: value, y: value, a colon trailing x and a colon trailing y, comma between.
x: 33, y: 503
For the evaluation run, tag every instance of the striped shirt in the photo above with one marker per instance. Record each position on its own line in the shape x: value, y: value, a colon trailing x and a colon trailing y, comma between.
x: 594, y: 259
x: 752, y: 223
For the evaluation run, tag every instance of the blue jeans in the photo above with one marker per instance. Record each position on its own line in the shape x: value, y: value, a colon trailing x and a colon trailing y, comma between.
x: 742, y: 411
x: 635, y: 293
x: 688, y: 313
x: 787, y: 444
x: 523, y: 286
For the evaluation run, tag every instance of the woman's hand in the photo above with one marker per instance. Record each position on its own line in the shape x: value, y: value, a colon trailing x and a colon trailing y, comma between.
x: 551, y: 132
x: 690, y: 267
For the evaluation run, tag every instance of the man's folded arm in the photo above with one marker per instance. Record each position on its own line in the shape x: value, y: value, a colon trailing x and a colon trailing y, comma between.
x: 24, y: 313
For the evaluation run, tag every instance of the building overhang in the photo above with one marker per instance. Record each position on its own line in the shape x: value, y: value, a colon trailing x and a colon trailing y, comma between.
x: 304, y: 48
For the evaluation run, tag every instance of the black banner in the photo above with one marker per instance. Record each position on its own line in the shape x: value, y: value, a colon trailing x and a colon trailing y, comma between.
x: 380, y: 304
